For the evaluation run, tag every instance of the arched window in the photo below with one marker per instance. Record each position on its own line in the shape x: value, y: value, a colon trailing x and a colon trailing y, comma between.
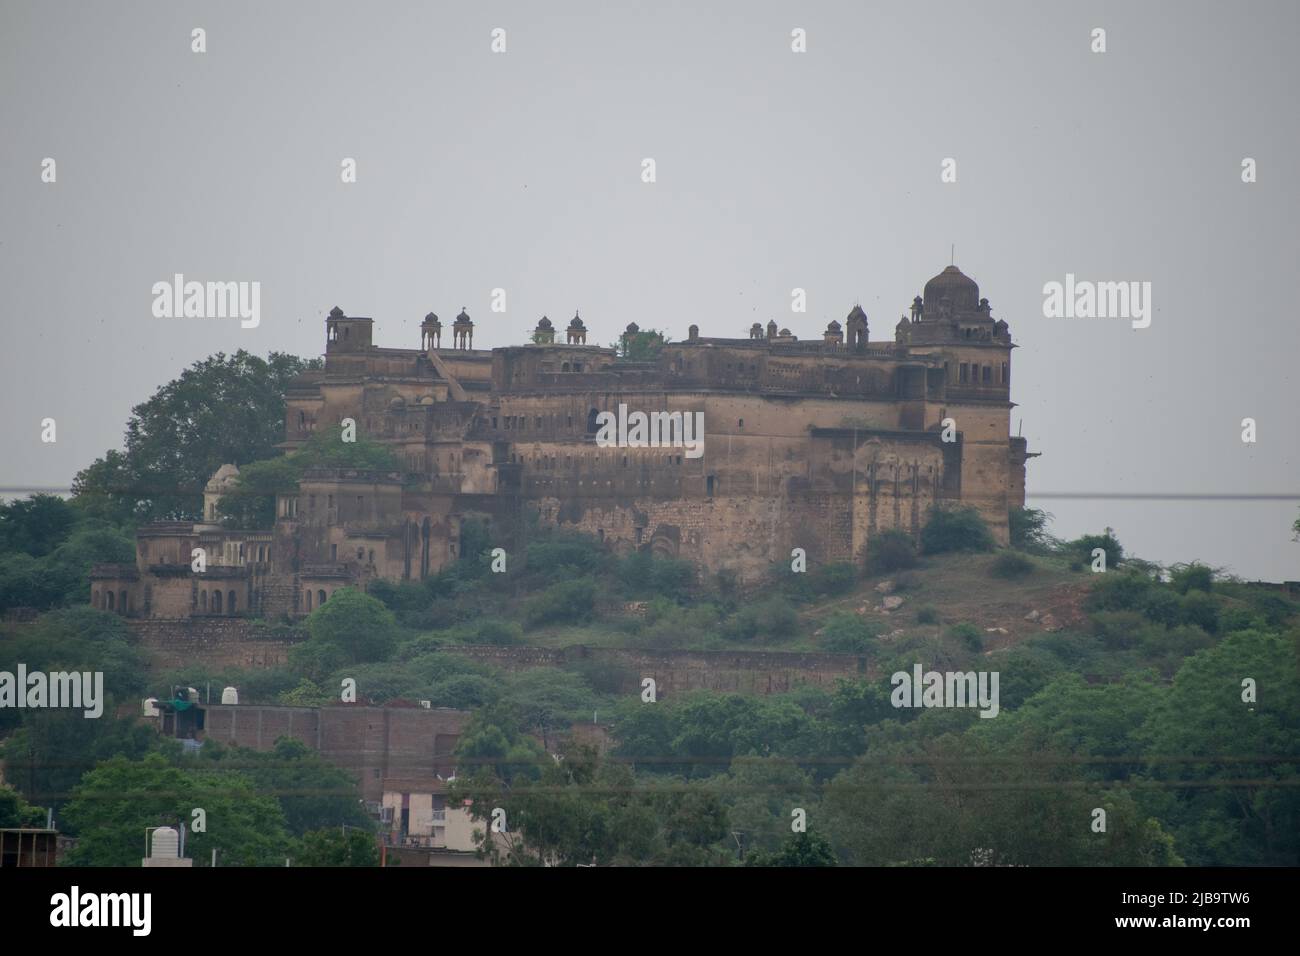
x: 110, y: 600
x: 122, y: 602
x: 308, y: 595
x: 216, y: 602
x: 230, y: 603
x: 203, y: 601
x: 592, y: 426
x: 320, y: 596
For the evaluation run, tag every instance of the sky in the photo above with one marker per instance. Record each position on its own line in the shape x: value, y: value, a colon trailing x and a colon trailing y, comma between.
x: 522, y: 170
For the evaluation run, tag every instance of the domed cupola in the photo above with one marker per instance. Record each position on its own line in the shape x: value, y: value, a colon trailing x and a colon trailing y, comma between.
x: 955, y: 286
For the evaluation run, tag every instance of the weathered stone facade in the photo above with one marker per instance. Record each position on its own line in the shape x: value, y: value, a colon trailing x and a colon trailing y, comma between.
x: 813, y: 444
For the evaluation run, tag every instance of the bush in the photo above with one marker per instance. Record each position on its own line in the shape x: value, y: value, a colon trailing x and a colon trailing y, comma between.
x: 643, y: 575
x: 1202, y: 610
x: 891, y: 550
x: 557, y: 556
x: 927, y: 615
x: 399, y: 595
x: 679, y: 627
x: 1028, y: 527
x: 955, y: 529
x: 1191, y: 577
x: 1121, y: 630
x: 907, y: 581
x: 496, y: 631
x: 772, y: 618
x: 835, y: 578
x: 847, y: 633
x: 1011, y: 564
x: 1118, y: 591
x: 968, y: 635
x: 569, y: 602
x: 1083, y: 547
x: 355, y: 623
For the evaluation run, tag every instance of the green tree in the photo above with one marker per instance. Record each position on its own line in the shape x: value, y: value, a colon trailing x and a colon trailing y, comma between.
x: 847, y: 633
x: 354, y: 624
x: 1234, y: 811
x: 115, y: 803
x: 15, y: 812
x: 641, y: 346
x: 809, y: 848
x: 250, y: 504
x: 337, y: 846
x: 221, y: 409
x: 955, y: 529
x: 313, y: 793
x: 35, y: 525
x: 1028, y: 528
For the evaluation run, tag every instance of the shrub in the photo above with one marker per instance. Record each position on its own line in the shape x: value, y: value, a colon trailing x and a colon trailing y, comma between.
x: 643, y: 575
x: 1011, y: 564
x: 400, y: 595
x: 847, y: 633
x: 1202, y: 610
x: 605, y: 676
x: 568, y: 602
x: 927, y: 615
x: 1119, y: 630
x: 771, y: 618
x: 835, y: 578
x: 557, y: 556
x: 1191, y: 577
x: 1118, y: 591
x: 1176, y: 642
x: 955, y: 529
x: 968, y: 635
x: 907, y: 581
x: 496, y: 631
x: 355, y: 623
x: 1083, y: 547
x: 1162, y: 605
x: 694, y: 626
x: 891, y: 550
x: 1028, y: 527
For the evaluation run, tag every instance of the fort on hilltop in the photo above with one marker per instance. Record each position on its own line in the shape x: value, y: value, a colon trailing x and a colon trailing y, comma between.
x: 819, y: 445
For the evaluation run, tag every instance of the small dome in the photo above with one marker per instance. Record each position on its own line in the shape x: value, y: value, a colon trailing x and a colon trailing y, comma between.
x: 336, y: 313
x: 432, y: 319
x: 633, y: 328
x: 833, y: 327
x: 857, y: 313
x: 575, y: 322
x: 545, y: 323
x: 463, y: 318
x: 225, y: 477
x: 952, y: 284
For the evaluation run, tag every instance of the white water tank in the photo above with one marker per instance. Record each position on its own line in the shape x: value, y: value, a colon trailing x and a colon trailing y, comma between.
x: 230, y: 696
x: 149, y: 706
x: 166, y: 844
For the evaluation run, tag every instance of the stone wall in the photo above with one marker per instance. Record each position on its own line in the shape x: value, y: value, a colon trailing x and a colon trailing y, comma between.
x: 677, y: 671
x: 213, y: 642
x: 236, y: 642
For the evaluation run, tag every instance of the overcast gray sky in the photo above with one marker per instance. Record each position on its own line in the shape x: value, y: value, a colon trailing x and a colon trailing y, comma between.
x: 775, y: 170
